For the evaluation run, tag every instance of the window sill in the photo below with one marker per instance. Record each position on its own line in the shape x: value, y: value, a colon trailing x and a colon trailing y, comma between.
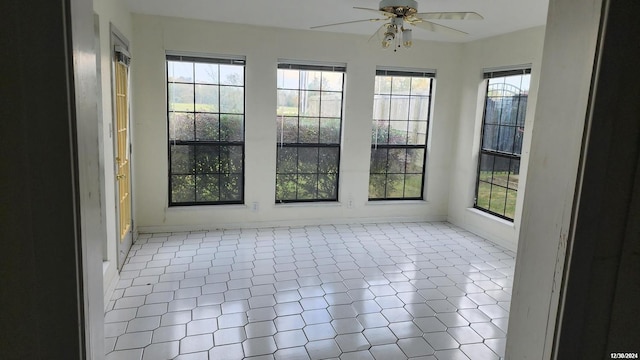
x: 225, y: 207
x: 395, y: 202
x: 308, y: 204
x: 491, y: 217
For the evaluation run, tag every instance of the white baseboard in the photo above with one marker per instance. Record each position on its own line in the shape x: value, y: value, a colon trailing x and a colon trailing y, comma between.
x: 109, y: 283
x: 482, y: 232
x: 288, y: 222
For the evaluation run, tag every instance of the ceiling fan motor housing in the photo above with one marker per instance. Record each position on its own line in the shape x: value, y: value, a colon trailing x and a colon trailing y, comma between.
x: 401, y: 8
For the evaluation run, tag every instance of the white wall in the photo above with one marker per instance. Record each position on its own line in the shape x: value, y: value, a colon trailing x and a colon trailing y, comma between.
x: 521, y: 47
x: 109, y: 12
x: 262, y: 48
x: 565, y: 82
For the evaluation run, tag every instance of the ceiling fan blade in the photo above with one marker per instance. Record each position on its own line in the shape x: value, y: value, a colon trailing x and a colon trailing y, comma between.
x: 428, y: 25
x: 346, y: 22
x: 387, y: 14
x: 378, y: 34
x: 449, y: 16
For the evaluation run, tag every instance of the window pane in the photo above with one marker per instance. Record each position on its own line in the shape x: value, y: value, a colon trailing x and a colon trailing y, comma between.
x: 309, y: 130
x: 517, y: 146
x: 286, y: 187
x: 231, y: 128
x: 492, y: 112
x: 522, y: 110
x: 401, y: 85
x: 514, y: 174
x: 501, y: 171
x: 381, y: 107
x: 288, y: 79
x: 207, y: 73
x: 498, y: 197
x: 231, y: 75
x: 310, y: 80
x: 182, y: 159
x: 182, y: 188
x: 327, y: 187
x: 230, y: 189
x: 307, y: 186
x: 231, y: 99
x: 420, y: 86
x: 507, y: 136
x: 287, y: 130
x: 417, y: 133
x: 207, y: 98
x: 380, y: 132
x: 510, y: 209
x: 378, y: 163
x: 330, y: 131
x: 415, y: 161
x: 486, y: 167
x: 207, y: 188
x: 484, y: 194
x: 288, y: 102
x: 377, y: 185
x: 517, y: 84
x: 207, y: 159
x: 180, y: 97
x: 309, y: 103
x: 399, y: 108
x: 230, y: 160
x: 332, y: 81
x: 287, y: 160
x: 419, y: 108
x: 413, y: 186
x: 180, y: 71
x: 331, y: 104
x: 507, y: 111
x: 395, y: 186
x: 307, y: 160
x: 383, y: 85
x: 398, y: 132
x: 396, y: 161
x: 490, y: 137
x: 180, y: 126
x: 207, y: 127
x: 497, y: 87
x: 328, y: 160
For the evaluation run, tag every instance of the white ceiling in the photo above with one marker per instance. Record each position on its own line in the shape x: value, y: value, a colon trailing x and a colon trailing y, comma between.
x: 501, y: 16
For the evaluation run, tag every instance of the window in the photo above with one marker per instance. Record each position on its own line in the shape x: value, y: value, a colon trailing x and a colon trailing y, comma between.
x: 205, y: 103
x: 401, y: 110
x: 309, y: 120
x: 501, y: 142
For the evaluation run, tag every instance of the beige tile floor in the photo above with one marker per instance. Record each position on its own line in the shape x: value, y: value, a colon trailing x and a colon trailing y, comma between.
x: 371, y: 291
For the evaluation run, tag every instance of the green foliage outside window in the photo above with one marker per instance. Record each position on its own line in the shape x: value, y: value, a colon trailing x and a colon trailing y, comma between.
x: 206, y: 131
x: 308, y: 134
x: 398, y: 137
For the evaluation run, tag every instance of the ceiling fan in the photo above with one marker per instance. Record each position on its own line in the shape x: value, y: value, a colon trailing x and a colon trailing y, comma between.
x: 398, y: 13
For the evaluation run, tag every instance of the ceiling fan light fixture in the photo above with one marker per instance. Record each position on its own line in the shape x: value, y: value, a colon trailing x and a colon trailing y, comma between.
x: 388, y: 39
x: 407, y: 38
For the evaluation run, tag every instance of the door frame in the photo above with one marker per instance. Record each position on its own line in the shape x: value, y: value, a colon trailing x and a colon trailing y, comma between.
x: 122, y: 246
